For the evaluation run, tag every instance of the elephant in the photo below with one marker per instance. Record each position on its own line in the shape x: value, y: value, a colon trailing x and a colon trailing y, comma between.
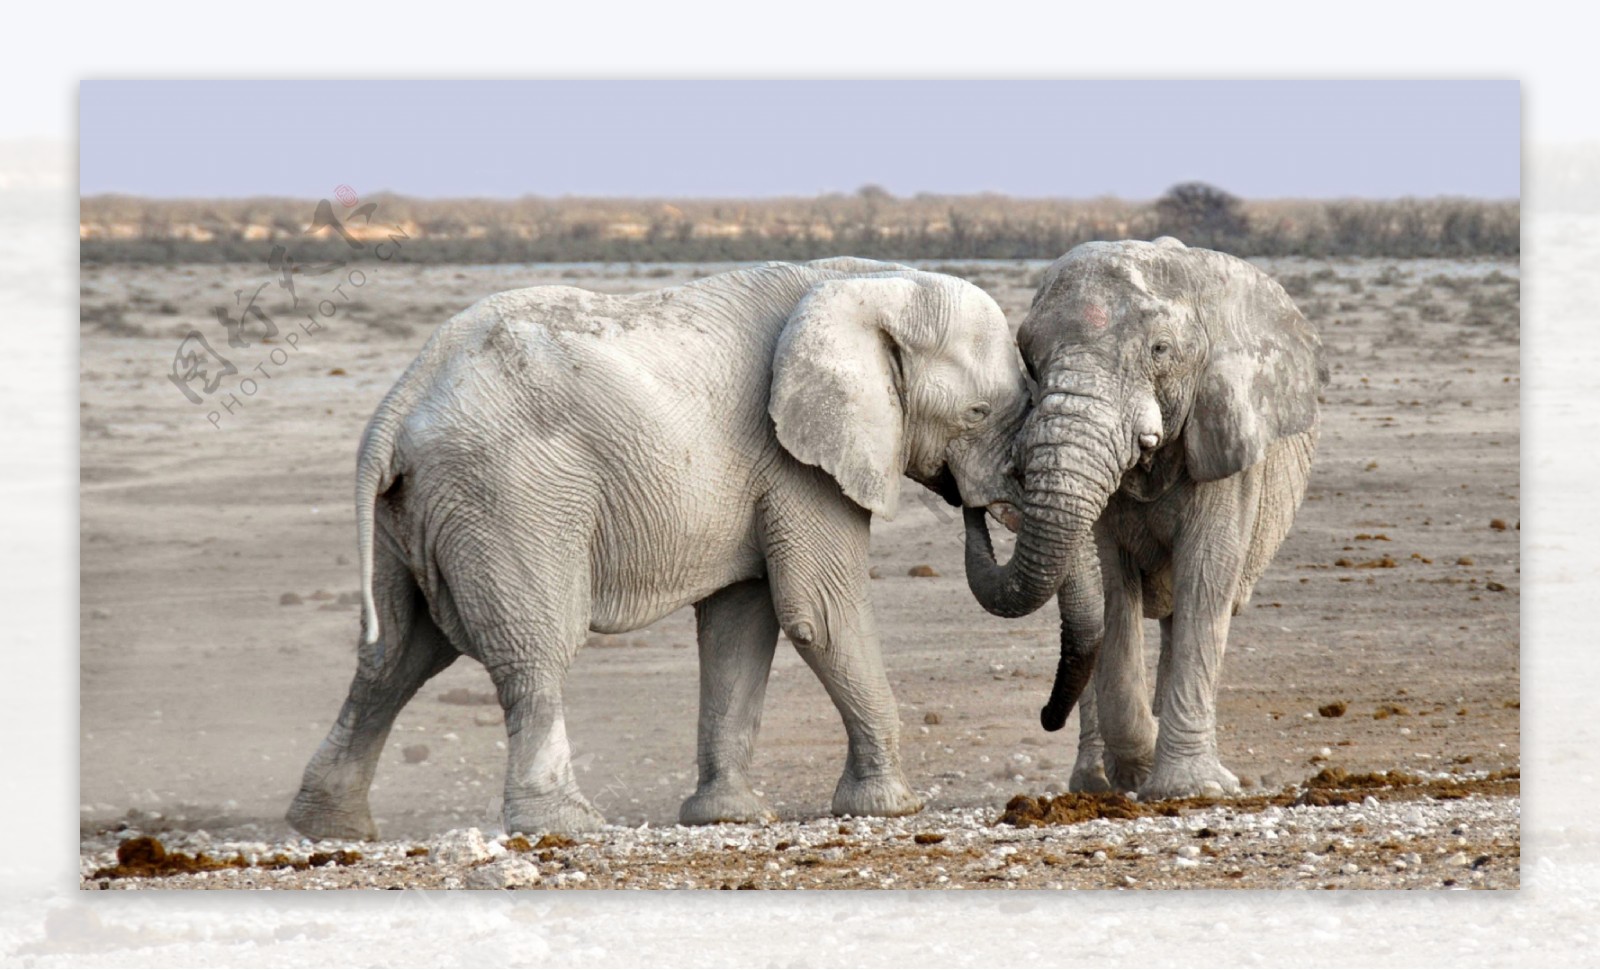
x: 1176, y: 419
x: 557, y: 462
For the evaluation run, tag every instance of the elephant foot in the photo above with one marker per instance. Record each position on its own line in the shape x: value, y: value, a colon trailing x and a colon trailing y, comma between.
x: 884, y: 795
x: 1202, y: 775
x: 565, y: 814
x: 724, y: 803
x: 1089, y: 772
x: 318, y: 815
x: 1127, y: 773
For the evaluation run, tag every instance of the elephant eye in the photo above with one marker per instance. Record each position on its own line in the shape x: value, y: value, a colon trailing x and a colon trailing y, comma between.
x: 1160, y: 348
x: 978, y: 412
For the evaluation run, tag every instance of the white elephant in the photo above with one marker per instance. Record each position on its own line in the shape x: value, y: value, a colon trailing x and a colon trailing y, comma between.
x: 1170, y: 448
x: 558, y: 461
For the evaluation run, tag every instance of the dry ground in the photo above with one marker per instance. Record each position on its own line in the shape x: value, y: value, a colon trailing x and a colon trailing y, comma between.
x: 202, y: 694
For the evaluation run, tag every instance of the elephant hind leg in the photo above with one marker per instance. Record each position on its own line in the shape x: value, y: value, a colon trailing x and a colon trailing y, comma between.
x: 524, y: 619
x: 738, y: 630
x: 332, y: 801
x: 1089, y: 768
x: 1164, y: 664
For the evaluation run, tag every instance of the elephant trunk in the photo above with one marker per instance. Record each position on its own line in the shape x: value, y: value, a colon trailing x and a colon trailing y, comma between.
x: 1068, y: 483
x: 1082, y: 604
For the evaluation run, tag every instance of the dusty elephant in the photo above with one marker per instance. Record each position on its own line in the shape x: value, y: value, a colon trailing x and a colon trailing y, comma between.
x: 558, y: 461
x: 1163, y: 464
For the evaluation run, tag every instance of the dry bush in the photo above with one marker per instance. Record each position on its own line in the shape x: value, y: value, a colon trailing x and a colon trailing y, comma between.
x: 869, y: 223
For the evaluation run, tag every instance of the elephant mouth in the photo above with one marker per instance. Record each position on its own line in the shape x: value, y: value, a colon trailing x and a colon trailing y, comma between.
x: 1006, y: 514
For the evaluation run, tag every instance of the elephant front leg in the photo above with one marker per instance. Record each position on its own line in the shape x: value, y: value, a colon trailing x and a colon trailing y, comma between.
x: 738, y: 632
x: 1206, y: 579
x: 1120, y: 685
x: 850, y: 665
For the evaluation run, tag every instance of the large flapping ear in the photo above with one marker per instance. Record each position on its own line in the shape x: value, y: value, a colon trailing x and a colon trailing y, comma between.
x: 1264, y: 371
x: 836, y: 386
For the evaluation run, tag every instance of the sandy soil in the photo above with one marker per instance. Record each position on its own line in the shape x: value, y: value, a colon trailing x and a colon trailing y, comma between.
x: 203, y: 694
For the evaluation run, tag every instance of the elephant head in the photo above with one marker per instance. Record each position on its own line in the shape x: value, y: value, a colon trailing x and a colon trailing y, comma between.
x: 1153, y: 362
x: 900, y: 373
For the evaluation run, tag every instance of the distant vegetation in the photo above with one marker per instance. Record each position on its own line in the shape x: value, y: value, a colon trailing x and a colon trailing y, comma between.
x: 869, y: 223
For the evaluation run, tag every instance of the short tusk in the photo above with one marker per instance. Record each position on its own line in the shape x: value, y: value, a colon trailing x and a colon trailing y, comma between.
x: 1149, y: 441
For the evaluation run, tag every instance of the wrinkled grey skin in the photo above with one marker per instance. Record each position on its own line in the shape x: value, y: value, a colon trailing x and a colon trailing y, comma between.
x: 1163, y: 464
x: 558, y: 461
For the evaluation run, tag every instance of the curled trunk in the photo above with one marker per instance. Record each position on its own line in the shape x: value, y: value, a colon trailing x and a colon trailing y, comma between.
x: 1071, y: 566
x: 1068, y: 486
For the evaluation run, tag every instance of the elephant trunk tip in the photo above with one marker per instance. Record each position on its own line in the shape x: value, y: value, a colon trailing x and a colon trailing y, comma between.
x: 1072, y: 676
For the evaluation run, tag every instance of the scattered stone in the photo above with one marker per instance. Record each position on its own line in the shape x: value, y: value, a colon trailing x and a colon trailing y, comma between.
x: 923, y: 571
x: 414, y: 754
x: 290, y: 599
x: 511, y: 873
x: 1498, y: 525
x: 459, y: 847
x: 931, y: 718
x: 1250, y: 841
x: 1334, y: 709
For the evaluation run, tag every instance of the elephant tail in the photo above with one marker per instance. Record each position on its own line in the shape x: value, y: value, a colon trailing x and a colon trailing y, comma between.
x: 375, y: 473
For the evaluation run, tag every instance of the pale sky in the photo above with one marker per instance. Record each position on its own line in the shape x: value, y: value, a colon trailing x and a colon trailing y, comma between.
x: 1258, y: 139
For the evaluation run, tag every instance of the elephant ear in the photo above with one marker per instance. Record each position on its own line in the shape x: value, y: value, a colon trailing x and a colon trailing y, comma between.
x: 1264, y: 371
x: 836, y: 386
